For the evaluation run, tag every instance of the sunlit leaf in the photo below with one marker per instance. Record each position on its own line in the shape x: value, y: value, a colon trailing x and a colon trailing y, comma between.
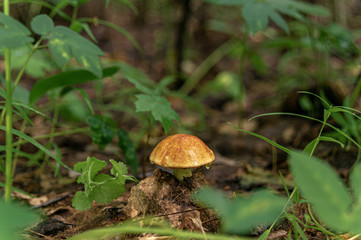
x: 65, y: 44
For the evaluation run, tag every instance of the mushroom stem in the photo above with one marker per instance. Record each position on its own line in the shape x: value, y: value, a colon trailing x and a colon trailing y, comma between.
x: 181, y: 173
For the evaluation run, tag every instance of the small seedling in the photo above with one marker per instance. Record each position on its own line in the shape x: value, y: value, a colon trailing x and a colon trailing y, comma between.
x: 102, y: 188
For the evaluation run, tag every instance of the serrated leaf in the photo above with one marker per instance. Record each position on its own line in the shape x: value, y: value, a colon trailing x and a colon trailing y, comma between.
x: 128, y: 149
x: 159, y: 107
x: 102, y: 129
x: 89, y: 169
x: 321, y: 186
x: 13, y: 34
x: 81, y: 201
x: 42, y: 24
x: 241, y: 215
x: 110, y: 189
x: 118, y: 168
x: 65, y: 44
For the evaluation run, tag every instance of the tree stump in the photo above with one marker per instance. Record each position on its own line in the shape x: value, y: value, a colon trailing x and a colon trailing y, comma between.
x: 163, y: 195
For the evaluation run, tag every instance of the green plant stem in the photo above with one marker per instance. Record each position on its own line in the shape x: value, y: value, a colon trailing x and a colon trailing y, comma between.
x: 326, y: 116
x: 55, y: 100
x: 8, y: 118
x: 20, y: 74
x: 205, y: 66
x: 242, y: 58
x: 22, y: 70
x: 23, y: 125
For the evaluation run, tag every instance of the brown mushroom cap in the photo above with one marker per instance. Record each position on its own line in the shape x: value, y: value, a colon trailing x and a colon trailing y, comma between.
x: 181, y: 151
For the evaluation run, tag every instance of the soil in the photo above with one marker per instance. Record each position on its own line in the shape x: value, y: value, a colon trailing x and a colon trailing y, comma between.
x: 243, y: 162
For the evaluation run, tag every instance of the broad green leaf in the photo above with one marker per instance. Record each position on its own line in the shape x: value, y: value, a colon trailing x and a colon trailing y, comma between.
x: 355, y: 183
x: 72, y: 108
x: 14, y: 218
x: 256, y: 15
x: 159, y: 107
x: 262, y: 207
x: 219, y: 201
x: 241, y: 215
x: 102, y: 129
x: 89, y: 169
x: 81, y: 201
x: 64, y: 79
x: 42, y: 24
x: 128, y: 149
x: 39, y: 64
x: 110, y: 189
x: 321, y: 186
x: 13, y: 34
x: 65, y: 44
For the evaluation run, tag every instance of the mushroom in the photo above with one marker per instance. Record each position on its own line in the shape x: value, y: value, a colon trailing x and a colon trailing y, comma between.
x: 182, y: 152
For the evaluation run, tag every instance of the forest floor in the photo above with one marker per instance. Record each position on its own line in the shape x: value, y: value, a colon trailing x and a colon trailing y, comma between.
x: 243, y: 162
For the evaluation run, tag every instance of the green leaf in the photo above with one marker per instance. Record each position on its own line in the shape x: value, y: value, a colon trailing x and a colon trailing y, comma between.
x: 13, y: 219
x: 64, y: 79
x: 102, y: 129
x: 89, y: 169
x: 39, y: 64
x: 33, y: 142
x: 72, y: 108
x: 256, y: 15
x: 355, y: 180
x: 273, y: 143
x: 65, y: 44
x: 42, y: 24
x: 242, y: 215
x: 81, y: 201
x: 159, y: 107
x: 13, y: 34
x: 314, y: 142
x: 110, y: 189
x: 128, y: 149
x: 321, y: 186
x: 138, y: 78
x: 102, y: 188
